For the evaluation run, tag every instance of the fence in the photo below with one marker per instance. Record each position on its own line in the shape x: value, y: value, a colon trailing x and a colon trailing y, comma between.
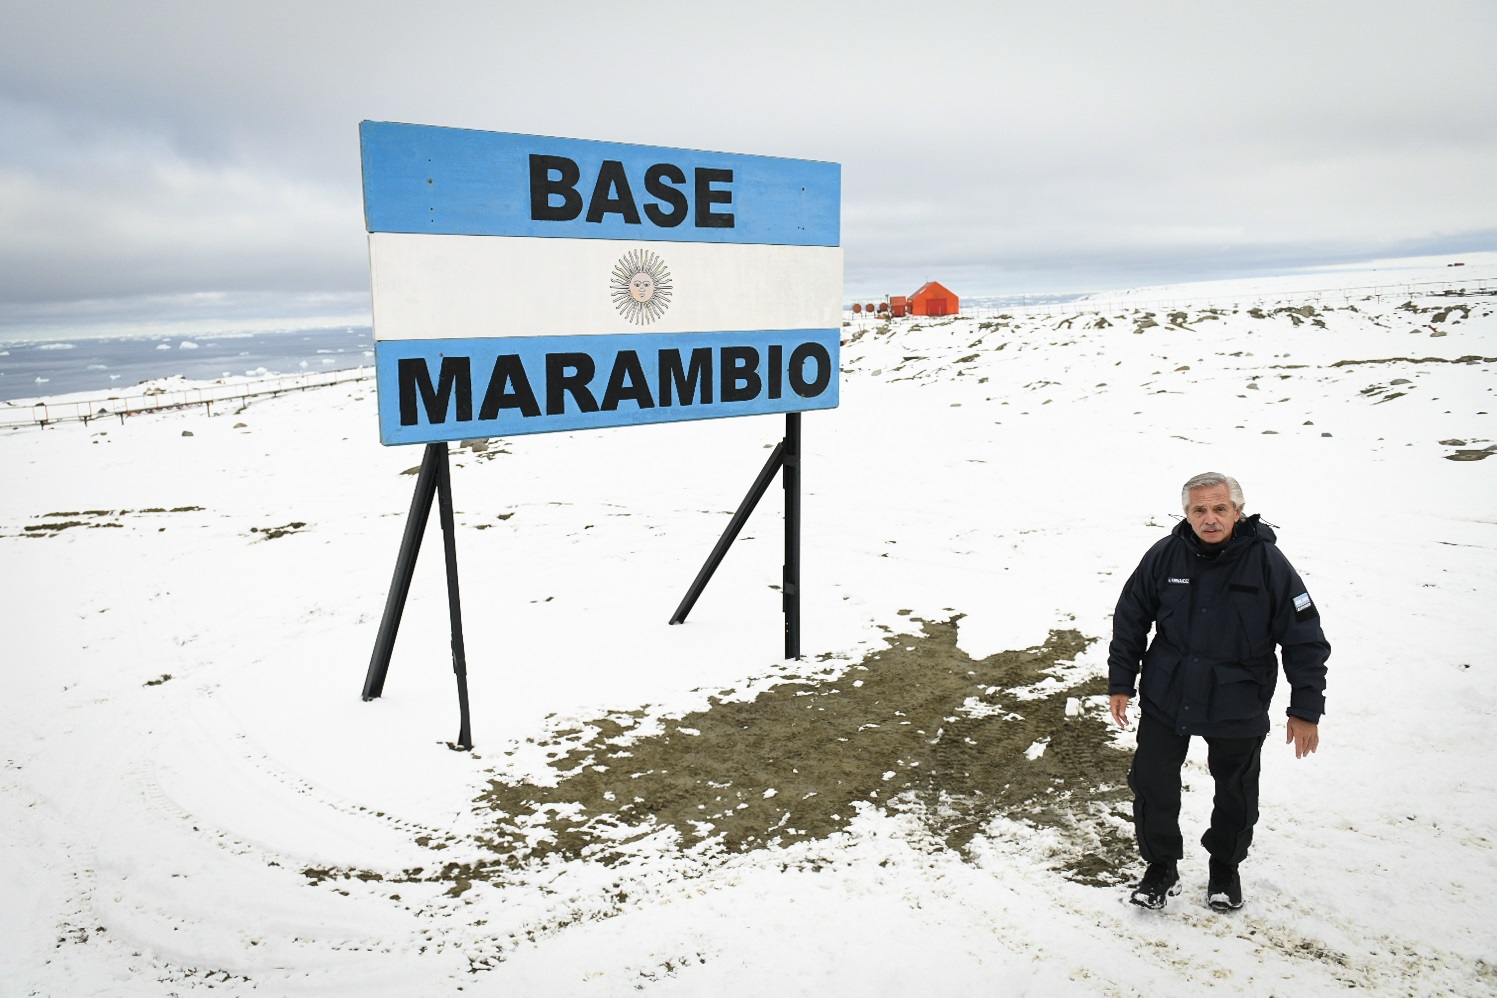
x: 45, y: 412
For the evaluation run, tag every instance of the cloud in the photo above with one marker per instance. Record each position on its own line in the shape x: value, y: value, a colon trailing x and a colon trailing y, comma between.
x: 183, y: 148
x: 100, y: 211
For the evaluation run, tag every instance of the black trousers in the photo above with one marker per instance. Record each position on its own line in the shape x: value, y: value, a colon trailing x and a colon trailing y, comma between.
x: 1155, y: 779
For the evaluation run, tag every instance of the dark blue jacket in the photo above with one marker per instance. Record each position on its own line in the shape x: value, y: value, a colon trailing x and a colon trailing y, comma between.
x: 1217, y: 617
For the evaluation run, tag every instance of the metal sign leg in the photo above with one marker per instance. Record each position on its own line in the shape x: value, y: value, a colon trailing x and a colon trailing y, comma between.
x: 740, y: 517
x: 790, y: 589
x: 433, y: 481
x: 454, y: 604
x: 786, y: 456
x: 405, y: 565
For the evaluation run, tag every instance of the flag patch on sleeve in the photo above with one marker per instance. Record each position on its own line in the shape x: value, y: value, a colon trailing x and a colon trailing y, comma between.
x: 1304, y: 607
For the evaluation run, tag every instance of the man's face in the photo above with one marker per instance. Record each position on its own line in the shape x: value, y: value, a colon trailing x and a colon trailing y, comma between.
x: 1211, y: 513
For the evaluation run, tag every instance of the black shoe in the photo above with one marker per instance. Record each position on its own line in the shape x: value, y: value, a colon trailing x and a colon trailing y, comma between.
x: 1160, y: 881
x: 1224, y: 888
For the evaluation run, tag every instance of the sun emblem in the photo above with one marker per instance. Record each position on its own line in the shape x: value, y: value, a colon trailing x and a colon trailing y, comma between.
x: 641, y: 286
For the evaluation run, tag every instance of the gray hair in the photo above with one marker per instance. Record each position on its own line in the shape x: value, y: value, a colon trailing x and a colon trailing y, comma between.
x: 1206, y: 479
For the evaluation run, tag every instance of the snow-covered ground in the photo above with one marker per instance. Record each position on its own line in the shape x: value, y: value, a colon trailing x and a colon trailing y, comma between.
x: 194, y: 795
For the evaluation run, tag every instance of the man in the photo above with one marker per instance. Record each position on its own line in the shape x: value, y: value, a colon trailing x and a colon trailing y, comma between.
x: 1219, y: 596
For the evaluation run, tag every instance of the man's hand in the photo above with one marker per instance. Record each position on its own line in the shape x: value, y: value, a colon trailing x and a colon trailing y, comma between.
x: 1304, y: 735
x: 1118, y: 702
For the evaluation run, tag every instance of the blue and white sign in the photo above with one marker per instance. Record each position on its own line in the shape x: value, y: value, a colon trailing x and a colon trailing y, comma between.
x: 525, y: 284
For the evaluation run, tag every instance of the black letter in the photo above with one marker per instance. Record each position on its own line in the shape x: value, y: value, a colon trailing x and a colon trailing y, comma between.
x: 738, y: 369
x: 686, y: 381
x: 707, y: 197
x: 542, y: 187
x: 413, y: 375
x: 611, y: 178
x: 798, y: 357
x: 508, y: 370
x: 776, y: 359
x: 654, y: 183
x: 638, y: 389
x: 559, y: 382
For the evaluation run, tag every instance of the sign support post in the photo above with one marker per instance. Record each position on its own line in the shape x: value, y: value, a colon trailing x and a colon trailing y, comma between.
x: 433, y: 481
x: 786, y: 457
x: 405, y: 565
x: 454, y: 604
x: 790, y: 590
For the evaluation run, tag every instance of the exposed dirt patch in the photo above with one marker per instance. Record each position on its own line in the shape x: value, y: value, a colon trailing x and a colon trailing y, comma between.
x: 1472, y: 454
x: 271, y: 533
x: 56, y: 522
x: 1468, y: 359
x: 58, y: 526
x: 919, y: 728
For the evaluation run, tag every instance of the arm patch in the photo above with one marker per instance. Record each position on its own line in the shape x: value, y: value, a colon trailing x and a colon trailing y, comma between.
x: 1304, y: 608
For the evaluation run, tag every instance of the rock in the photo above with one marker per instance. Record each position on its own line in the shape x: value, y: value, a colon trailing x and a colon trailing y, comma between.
x: 186, y: 433
x: 1472, y: 455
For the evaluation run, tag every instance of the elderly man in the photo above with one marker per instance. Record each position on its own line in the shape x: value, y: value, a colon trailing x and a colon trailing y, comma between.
x: 1219, y: 596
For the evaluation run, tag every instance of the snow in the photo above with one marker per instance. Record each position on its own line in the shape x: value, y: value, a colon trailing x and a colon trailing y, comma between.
x: 209, y: 830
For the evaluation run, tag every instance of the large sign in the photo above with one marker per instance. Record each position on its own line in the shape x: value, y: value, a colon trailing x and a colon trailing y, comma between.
x: 525, y: 284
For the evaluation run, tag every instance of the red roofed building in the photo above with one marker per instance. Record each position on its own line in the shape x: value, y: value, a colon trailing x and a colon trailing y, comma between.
x: 934, y: 299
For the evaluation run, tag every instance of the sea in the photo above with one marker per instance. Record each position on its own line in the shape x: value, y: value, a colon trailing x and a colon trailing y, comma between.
x: 58, y: 367
x: 42, y: 368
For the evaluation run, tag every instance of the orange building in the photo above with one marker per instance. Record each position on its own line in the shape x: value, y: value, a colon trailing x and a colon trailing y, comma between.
x: 934, y: 299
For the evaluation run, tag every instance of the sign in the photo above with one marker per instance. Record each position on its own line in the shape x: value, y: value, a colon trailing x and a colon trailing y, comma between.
x: 525, y: 284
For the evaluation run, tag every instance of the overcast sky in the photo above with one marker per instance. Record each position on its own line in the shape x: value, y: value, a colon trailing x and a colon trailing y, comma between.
x: 190, y: 161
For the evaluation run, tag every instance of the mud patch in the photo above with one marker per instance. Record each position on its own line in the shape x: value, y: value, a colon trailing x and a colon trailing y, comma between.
x: 918, y: 728
x: 271, y: 533
x: 1468, y: 359
x: 56, y: 522
x: 1472, y: 453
